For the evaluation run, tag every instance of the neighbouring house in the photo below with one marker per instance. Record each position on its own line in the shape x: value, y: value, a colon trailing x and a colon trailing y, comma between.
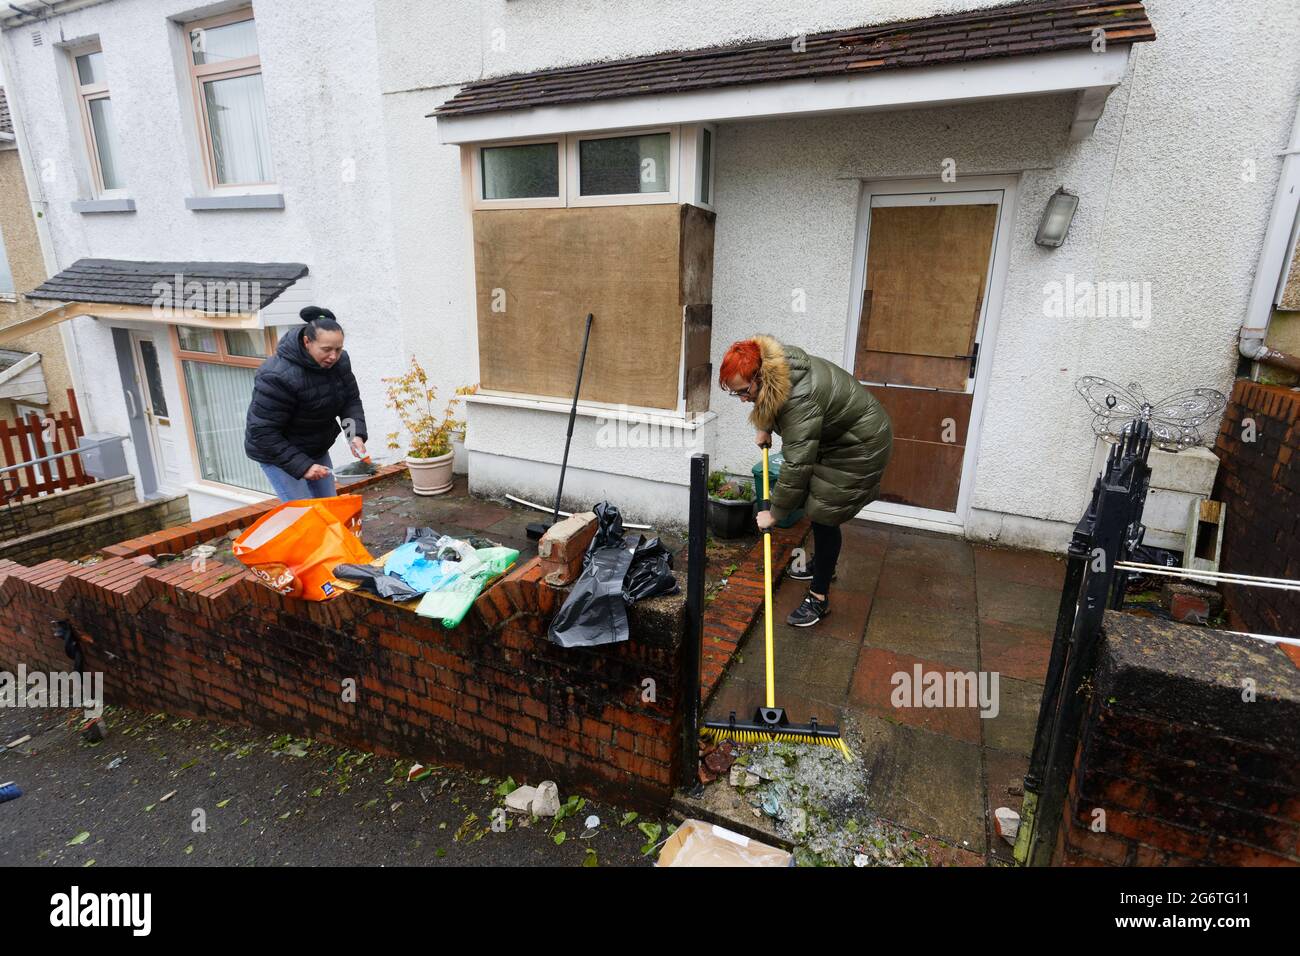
x: 969, y: 204
x: 206, y: 171
x: 34, y: 373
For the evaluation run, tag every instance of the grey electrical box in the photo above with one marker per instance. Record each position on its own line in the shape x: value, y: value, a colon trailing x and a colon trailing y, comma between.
x: 102, y: 455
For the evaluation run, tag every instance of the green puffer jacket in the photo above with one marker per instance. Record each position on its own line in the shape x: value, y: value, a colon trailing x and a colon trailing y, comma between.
x: 835, y: 437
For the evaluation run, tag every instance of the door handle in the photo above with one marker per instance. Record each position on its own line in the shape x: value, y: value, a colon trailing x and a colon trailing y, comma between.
x: 130, y: 399
x: 973, y: 358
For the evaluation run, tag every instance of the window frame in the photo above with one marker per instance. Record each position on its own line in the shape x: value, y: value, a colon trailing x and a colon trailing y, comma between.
x: 532, y: 202
x: 199, y: 74
x: 625, y: 199
x: 85, y: 93
x: 220, y: 357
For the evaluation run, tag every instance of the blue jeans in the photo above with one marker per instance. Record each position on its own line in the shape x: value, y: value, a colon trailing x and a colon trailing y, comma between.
x: 288, y: 488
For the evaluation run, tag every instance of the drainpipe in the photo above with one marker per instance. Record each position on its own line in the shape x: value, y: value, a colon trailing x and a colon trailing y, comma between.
x: 1272, y: 260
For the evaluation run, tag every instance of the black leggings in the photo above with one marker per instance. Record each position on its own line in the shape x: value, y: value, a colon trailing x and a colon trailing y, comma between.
x: 826, y: 554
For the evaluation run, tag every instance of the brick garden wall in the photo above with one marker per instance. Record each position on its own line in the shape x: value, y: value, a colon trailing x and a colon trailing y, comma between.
x: 1184, y: 769
x: 1259, y: 482
x: 80, y: 521
x: 493, y: 694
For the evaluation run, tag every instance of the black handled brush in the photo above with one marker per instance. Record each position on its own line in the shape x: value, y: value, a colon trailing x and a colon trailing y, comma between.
x: 538, y: 528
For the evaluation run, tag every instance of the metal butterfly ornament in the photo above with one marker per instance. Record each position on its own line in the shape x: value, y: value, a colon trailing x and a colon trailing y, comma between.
x: 1173, y: 421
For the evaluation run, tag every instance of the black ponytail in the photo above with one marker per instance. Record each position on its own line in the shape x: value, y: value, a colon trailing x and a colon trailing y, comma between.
x: 318, y: 320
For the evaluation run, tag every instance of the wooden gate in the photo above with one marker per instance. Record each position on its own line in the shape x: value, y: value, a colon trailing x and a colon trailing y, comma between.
x: 24, y: 441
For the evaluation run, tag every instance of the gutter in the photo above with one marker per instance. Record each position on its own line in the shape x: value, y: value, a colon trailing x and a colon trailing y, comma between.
x: 17, y: 16
x: 1272, y: 262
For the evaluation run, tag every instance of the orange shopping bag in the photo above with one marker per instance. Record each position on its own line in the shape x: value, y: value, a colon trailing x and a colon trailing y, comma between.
x: 295, y: 547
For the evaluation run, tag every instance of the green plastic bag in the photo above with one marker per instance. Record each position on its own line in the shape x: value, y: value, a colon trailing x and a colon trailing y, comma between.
x: 452, y: 600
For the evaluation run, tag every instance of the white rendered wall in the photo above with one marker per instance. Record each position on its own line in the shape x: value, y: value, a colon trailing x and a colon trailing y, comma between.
x: 643, y: 468
x: 320, y: 75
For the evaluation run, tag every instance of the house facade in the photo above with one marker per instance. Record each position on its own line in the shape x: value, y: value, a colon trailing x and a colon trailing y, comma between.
x: 969, y: 204
x: 875, y: 193
x: 34, y: 372
x: 205, y: 172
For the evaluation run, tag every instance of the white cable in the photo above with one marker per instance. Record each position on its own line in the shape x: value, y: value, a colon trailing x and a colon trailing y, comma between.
x: 1272, y: 639
x: 569, y: 514
x: 1214, y: 577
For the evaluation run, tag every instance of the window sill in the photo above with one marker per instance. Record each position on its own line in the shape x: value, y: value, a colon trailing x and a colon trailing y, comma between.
x: 241, y: 496
x: 664, y: 417
x: 85, y: 206
x: 246, y: 201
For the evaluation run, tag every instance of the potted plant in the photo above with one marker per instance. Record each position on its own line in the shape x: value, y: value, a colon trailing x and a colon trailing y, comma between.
x: 731, y: 506
x: 460, y: 463
x: 429, y: 454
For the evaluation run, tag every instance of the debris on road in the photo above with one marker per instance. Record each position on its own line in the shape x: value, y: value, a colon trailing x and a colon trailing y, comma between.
x: 1007, y: 823
x: 546, y: 803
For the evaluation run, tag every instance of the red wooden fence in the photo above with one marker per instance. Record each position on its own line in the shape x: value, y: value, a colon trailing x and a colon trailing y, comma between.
x: 24, y: 441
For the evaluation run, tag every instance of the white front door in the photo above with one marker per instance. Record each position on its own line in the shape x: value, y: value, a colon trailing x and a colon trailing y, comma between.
x: 927, y: 290
x: 163, y: 433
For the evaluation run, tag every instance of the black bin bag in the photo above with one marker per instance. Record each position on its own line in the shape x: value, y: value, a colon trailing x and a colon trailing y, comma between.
x: 615, y: 574
x: 376, y: 581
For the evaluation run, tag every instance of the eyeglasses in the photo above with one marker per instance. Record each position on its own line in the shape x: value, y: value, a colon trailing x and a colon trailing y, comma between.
x: 743, y: 393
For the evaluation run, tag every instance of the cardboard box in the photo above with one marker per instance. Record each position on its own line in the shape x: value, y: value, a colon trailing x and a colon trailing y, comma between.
x: 696, y: 843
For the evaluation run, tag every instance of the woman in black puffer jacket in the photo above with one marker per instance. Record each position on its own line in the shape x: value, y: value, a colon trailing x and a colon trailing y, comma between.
x: 297, y: 396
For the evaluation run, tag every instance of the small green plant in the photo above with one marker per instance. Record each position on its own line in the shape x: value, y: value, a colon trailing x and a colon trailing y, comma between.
x: 728, y: 489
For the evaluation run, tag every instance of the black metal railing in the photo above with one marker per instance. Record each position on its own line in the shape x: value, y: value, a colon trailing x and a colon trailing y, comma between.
x: 1108, y: 533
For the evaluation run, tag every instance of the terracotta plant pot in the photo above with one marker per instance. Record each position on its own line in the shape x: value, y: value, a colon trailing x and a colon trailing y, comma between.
x: 431, y: 476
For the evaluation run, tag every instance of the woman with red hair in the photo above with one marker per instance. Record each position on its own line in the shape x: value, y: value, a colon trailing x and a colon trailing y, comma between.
x: 835, y: 440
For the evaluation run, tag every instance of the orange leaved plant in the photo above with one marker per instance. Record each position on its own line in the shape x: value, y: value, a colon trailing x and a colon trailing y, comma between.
x: 412, y: 397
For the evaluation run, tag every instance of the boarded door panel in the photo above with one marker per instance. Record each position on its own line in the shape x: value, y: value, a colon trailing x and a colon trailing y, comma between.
x: 538, y: 273
x: 929, y: 444
x: 925, y: 276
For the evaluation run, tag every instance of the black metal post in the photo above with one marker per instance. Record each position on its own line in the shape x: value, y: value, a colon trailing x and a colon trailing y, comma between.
x: 573, y: 413
x: 1109, y: 530
x: 693, y: 652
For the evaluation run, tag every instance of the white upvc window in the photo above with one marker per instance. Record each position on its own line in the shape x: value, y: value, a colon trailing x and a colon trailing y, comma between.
x: 603, y: 168
x: 517, y: 175
x: 229, y: 101
x: 623, y: 168
x: 97, y: 120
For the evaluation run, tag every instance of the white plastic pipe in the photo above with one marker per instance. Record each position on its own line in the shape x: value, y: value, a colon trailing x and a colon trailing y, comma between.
x: 569, y: 514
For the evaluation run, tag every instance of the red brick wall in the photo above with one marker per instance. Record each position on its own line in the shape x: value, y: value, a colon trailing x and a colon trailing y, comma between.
x: 1184, y: 770
x: 492, y: 694
x: 1259, y: 482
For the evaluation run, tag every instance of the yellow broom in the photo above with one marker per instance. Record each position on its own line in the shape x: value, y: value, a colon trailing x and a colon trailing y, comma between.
x: 770, y: 722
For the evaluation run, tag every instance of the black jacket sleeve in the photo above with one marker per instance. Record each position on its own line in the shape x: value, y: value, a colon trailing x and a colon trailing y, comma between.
x: 269, y: 415
x: 352, y: 405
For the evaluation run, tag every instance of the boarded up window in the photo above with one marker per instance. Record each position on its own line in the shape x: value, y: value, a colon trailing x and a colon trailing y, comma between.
x: 539, y: 272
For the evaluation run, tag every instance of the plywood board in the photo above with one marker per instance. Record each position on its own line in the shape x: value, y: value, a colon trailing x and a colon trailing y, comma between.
x: 538, y: 272
x: 930, y: 430
x: 926, y: 371
x: 926, y: 272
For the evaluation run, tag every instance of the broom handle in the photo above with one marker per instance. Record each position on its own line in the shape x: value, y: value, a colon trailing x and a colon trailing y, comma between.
x: 767, y: 591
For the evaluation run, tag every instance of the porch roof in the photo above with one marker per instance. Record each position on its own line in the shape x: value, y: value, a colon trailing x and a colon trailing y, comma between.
x: 129, y: 282
x: 222, y: 295
x: 1023, y: 35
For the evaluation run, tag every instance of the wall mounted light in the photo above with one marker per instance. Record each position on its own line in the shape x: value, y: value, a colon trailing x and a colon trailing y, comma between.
x: 1057, y: 218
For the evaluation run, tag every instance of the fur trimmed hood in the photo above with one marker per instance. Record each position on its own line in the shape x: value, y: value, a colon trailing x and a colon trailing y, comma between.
x: 773, y: 385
